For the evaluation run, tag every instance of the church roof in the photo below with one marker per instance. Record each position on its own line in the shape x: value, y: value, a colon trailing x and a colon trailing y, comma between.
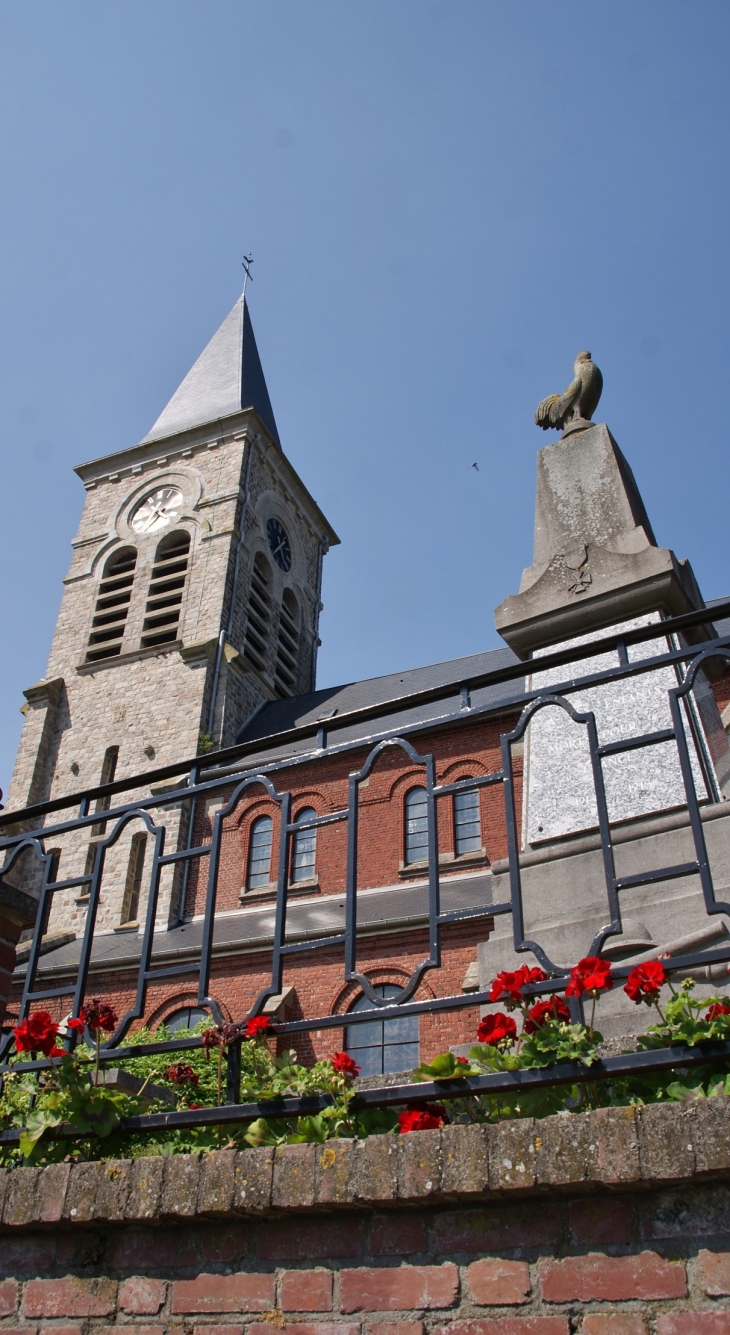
x: 391, y: 698
x: 227, y: 377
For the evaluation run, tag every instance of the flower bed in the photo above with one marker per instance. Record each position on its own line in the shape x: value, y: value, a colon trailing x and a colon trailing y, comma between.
x: 69, y: 1087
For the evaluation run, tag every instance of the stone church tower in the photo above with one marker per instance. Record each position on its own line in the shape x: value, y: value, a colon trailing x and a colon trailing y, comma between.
x: 193, y: 596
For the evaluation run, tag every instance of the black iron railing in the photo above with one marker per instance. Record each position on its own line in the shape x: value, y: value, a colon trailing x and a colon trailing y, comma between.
x: 226, y: 773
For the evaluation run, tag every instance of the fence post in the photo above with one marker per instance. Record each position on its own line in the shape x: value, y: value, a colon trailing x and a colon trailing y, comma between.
x: 233, y: 1072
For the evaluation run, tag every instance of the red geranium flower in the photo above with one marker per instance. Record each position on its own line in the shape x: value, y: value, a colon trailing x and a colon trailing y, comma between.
x: 342, y: 1063
x: 257, y: 1027
x: 37, y: 1033
x: 181, y: 1073
x: 507, y: 987
x: 719, y: 1008
x: 95, y: 1015
x: 429, y: 1117
x: 589, y: 975
x: 552, y: 1009
x: 464, y: 1060
x: 644, y: 983
x: 496, y: 1028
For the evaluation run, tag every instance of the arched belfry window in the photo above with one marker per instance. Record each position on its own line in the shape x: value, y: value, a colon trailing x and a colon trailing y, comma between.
x: 467, y: 822
x: 112, y: 606
x: 416, y: 840
x: 164, y: 600
x: 259, y: 613
x: 287, y: 649
x: 305, y: 849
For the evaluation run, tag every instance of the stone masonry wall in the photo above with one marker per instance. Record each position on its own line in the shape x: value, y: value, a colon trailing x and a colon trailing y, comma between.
x: 615, y: 1222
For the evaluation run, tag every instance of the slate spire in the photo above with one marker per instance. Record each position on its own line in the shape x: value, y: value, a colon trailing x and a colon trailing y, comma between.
x: 227, y: 377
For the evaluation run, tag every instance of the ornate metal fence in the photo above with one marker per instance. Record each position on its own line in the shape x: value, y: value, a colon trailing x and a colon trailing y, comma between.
x: 226, y: 772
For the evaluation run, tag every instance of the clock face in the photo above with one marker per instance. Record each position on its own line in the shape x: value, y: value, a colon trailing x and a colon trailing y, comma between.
x: 279, y: 544
x: 160, y: 508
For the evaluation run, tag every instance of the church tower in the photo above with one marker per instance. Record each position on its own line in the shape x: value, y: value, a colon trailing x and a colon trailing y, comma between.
x: 193, y: 596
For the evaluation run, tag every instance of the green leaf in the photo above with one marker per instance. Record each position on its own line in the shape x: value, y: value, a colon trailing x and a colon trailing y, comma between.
x: 40, y: 1120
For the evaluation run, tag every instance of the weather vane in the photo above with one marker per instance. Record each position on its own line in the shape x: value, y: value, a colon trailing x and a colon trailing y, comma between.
x: 246, y: 263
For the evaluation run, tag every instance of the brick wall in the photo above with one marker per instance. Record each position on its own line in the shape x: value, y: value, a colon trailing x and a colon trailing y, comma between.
x: 610, y: 1223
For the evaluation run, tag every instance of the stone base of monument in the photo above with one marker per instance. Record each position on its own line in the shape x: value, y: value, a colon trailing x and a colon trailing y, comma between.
x: 565, y: 905
x: 559, y: 795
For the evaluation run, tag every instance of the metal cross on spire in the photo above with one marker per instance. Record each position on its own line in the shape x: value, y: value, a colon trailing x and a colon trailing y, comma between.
x: 246, y: 263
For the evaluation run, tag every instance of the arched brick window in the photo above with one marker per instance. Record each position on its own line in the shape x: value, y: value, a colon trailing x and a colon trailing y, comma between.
x: 382, y: 1046
x: 416, y: 840
x: 259, y: 853
x: 305, y: 849
x: 467, y: 821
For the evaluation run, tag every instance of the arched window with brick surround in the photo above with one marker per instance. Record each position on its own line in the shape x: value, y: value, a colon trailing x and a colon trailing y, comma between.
x: 305, y: 849
x: 259, y: 853
x: 467, y: 821
x: 112, y: 606
x: 381, y: 1047
x: 416, y: 833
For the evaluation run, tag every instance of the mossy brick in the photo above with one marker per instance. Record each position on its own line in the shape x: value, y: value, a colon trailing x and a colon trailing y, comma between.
x: 617, y: 1138
x: 712, y: 1135
x: 376, y: 1169
x: 180, y: 1186
x: 51, y: 1197
x: 334, y: 1172
x: 145, y: 1187
x: 113, y: 1190
x: 666, y: 1142
x: 82, y: 1191
x: 419, y: 1165
x: 217, y: 1182
x: 465, y: 1160
x: 19, y: 1207
x: 567, y: 1154
x: 513, y: 1148
x: 253, y: 1174
x: 71, y: 1296
x: 292, y: 1186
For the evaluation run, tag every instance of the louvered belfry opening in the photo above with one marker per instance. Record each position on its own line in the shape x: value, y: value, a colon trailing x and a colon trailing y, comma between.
x: 164, y: 601
x: 288, y: 646
x: 259, y: 613
x: 112, y: 606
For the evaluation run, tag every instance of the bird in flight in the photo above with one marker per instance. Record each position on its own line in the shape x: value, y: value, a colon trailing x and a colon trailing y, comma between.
x: 476, y: 466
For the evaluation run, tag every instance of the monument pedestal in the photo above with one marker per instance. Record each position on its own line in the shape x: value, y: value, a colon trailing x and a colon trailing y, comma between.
x: 597, y: 567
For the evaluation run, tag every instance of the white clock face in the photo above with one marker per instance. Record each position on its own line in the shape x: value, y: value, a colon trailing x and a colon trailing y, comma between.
x: 160, y: 508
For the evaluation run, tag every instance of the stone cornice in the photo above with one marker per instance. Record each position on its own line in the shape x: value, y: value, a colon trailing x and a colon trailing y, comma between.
x: 609, y: 1150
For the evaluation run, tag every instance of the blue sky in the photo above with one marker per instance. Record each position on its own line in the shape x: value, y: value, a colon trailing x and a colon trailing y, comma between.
x: 445, y: 202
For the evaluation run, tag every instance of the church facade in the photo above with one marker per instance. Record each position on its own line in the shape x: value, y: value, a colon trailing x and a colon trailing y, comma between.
x: 189, y: 628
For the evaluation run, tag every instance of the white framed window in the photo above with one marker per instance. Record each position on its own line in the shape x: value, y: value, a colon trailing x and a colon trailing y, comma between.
x: 467, y: 822
x: 304, y: 855
x: 259, y: 853
x: 416, y: 840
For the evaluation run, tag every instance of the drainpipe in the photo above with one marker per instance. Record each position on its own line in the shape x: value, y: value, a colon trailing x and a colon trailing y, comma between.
x: 225, y: 634
x: 323, y: 549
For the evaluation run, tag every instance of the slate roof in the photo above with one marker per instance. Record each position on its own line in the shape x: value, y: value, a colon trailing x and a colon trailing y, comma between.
x: 327, y: 706
x: 394, y: 906
x: 227, y: 377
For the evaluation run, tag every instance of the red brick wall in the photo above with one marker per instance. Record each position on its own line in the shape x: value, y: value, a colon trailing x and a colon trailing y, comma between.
x: 616, y: 1265
x: 322, y: 784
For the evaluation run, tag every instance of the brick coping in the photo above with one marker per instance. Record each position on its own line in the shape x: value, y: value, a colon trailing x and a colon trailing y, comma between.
x: 610, y: 1149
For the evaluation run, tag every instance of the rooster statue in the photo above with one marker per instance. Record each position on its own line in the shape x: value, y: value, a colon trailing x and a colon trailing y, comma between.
x: 579, y: 401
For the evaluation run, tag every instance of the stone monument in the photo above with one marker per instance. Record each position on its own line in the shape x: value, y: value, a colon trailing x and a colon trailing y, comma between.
x: 597, y: 568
